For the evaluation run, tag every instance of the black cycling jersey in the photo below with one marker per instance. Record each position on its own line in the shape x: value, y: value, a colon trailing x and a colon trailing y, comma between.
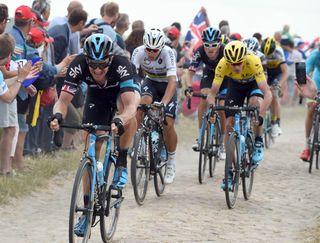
x: 101, y: 100
x: 200, y: 56
x: 120, y: 77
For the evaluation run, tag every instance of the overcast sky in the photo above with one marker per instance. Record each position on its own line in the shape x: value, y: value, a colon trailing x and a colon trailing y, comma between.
x: 244, y: 16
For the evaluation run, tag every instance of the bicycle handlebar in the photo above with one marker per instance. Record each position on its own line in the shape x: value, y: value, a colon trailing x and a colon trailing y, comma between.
x: 57, y: 136
x: 145, y: 108
x: 203, y: 96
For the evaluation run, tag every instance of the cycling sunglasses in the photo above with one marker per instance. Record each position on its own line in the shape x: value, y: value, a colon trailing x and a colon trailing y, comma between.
x: 152, y: 50
x: 212, y: 44
x: 99, y: 64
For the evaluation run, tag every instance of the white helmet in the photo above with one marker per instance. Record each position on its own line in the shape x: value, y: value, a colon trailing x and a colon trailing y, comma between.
x: 154, y: 39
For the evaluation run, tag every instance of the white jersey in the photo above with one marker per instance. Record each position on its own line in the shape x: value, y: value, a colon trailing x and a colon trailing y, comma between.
x: 158, y: 70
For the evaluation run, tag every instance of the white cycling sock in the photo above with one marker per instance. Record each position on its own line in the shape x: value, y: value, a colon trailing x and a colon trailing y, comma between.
x: 171, y: 158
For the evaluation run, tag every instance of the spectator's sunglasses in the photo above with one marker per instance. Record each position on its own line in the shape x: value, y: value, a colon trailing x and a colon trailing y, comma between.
x: 211, y: 44
x: 99, y: 64
x: 152, y: 50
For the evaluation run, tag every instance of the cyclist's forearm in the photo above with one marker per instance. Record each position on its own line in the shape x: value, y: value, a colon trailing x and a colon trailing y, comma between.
x: 170, y: 91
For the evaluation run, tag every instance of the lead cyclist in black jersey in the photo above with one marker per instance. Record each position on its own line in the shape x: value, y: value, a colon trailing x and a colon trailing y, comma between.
x: 111, y: 88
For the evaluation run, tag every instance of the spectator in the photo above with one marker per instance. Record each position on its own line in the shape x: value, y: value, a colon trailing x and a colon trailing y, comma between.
x: 3, y: 17
x: 224, y: 27
x: 122, y: 26
x: 74, y: 39
x: 8, y: 105
x: 43, y: 8
x: 258, y: 36
x: 134, y: 40
x: 137, y: 25
x: 23, y: 21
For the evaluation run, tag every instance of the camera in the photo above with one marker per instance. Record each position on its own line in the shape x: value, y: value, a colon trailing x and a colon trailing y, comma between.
x: 100, y: 31
x: 301, y: 72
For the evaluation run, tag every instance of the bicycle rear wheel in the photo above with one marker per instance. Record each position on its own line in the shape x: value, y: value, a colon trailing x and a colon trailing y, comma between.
x: 214, y: 147
x: 160, y: 170
x: 204, y: 149
x: 81, y: 205
x: 247, y: 174
x: 111, y: 199
x: 315, y: 141
x: 232, y: 170
x: 140, y: 166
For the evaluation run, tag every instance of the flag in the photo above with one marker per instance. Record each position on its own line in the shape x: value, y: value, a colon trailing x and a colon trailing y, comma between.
x: 195, y: 29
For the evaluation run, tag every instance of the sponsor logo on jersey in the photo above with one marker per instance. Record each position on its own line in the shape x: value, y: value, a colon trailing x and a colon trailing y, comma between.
x: 123, y: 72
x: 74, y: 71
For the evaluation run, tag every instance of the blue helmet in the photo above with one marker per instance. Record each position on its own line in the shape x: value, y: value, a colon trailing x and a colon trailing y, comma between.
x: 211, y: 34
x: 251, y: 43
x: 98, y: 47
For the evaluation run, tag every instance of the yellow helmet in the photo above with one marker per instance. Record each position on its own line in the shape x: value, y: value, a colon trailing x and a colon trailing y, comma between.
x: 235, y: 52
x: 268, y: 46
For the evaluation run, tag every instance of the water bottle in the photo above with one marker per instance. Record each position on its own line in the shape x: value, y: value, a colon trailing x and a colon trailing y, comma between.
x: 155, y: 141
x: 163, y: 154
x: 100, y: 173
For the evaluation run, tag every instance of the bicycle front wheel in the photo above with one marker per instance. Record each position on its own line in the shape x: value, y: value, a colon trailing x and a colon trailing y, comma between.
x: 140, y: 166
x: 81, y: 207
x: 111, y: 206
x: 315, y: 142
x: 247, y: 174
x: 232, y: 170
x: 214, y: 147
x: 204, y: 149
x: 160, y: 170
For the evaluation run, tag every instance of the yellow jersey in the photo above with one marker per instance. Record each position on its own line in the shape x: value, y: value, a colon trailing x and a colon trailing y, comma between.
x: 252, y: 70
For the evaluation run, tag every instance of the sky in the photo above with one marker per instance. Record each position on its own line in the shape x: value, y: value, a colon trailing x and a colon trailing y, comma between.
x: 244, y: 16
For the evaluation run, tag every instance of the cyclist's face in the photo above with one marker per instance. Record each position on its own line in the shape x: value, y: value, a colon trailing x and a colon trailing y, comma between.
x: 237, y: 67
x: 99, y: 69
x: 152, y: 53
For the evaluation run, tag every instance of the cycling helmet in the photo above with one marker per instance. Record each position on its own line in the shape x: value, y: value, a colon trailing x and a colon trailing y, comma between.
x: 154, y: 39
x: 235, y: 52
x: 251, y: 43
x: 98, y: 47
x: 268, y: 46
x: 224, y: 39
x: 211, y: 34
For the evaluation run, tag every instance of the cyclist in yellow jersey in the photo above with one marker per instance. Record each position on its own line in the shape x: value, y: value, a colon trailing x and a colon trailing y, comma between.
x: 247, y: 81
x: 277, y: 70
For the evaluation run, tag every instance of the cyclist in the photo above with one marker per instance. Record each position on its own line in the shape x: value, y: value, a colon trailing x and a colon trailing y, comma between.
x: 209, y: 54
x: 158, y: 63
x: 252, y: 45
x: 277, y: 70
x: 312, y: 66
x: 111, y: 88
x: 247, y: 81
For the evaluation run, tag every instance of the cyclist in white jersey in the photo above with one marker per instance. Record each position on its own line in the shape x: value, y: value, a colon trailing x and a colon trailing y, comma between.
x: 158, y: 63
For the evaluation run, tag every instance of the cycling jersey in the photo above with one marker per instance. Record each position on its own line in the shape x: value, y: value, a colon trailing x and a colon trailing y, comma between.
x: 252, y: 71
x: 313, y: 64
x: 101, y: 100
x: 3, y: 85
x: 119, y: 78
x: 158, y: 70
x: 200, y: 57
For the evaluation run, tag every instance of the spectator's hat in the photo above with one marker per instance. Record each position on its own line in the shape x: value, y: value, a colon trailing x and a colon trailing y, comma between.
x: 173, y: 33
x: 24, y: 13
x: 38, y: 36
